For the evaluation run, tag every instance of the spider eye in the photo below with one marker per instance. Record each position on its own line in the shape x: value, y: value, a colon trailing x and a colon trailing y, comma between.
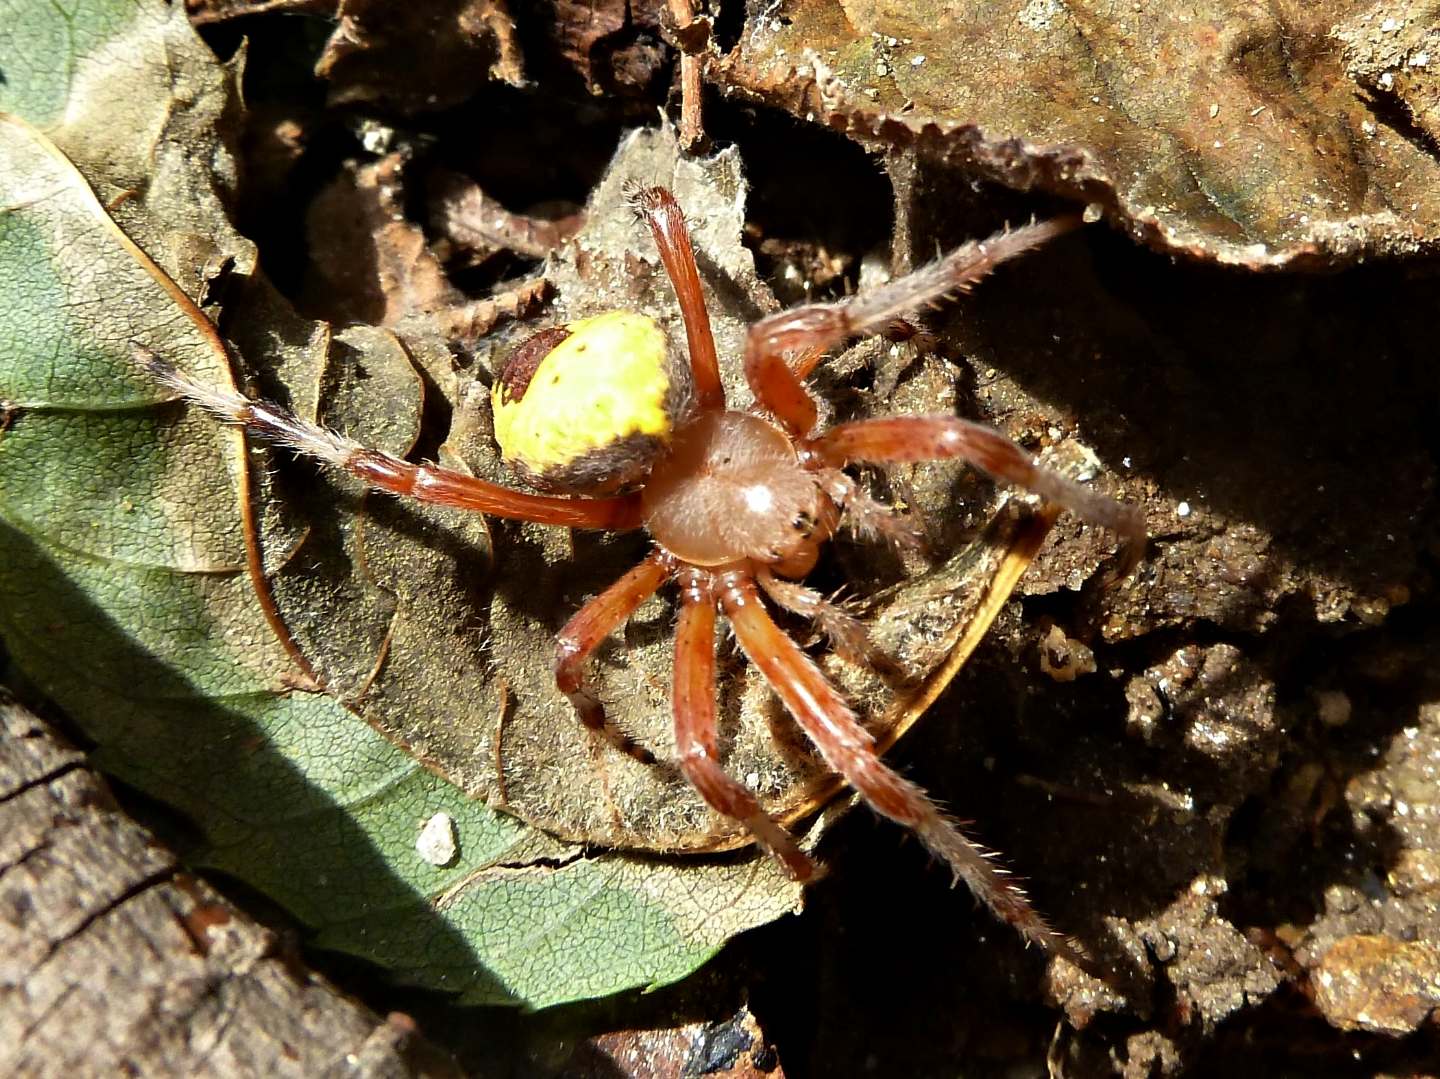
x: 586, y: 408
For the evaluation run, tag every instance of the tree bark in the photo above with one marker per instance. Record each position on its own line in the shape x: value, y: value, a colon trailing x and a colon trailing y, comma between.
x: 114, y: 960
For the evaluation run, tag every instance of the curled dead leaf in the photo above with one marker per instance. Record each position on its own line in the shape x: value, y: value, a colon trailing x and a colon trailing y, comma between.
x: 1229, y: 133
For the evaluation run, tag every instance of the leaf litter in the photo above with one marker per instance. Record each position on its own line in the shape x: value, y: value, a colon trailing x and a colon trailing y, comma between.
x: 1245, y: 413
x: 389, y: 606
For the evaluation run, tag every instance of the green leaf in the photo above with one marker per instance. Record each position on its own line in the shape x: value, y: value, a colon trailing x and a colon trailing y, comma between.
x: 130, y: 587
x: 43, y: 46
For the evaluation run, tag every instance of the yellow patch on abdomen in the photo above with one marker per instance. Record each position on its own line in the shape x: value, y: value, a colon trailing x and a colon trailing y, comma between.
x: 607, y: 381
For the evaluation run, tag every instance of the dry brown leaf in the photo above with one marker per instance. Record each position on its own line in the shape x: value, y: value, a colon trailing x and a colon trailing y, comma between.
x: 1226, y: 131
x: 614, y: 45
x: 369, y: 263
x: 419, y: 57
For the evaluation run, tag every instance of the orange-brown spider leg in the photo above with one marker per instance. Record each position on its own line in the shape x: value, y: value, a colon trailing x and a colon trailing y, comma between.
x: 845, y: 632
x: 384, y: 472
x: 590, y: 625
x: 866, y: 516
x: 694, y: 702
x: 934, y: 438
x: 846, y: 746
x: 774, y: 380
x: 658, y: 208
x: 803, y: 363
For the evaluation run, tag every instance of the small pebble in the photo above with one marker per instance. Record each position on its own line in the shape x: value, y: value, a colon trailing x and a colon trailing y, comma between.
x: 437, y: 843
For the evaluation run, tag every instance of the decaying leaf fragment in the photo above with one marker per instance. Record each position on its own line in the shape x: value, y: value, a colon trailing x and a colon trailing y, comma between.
x: 613, y: 45
x: 419, y: 57
x: 1392, y: 53
x: 1239, y: 133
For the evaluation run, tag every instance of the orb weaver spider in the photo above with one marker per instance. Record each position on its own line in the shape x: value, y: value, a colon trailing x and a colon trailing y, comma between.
x: 617, y: 431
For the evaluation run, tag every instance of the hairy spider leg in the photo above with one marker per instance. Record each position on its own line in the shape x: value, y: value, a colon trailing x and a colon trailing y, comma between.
x: 845, y: 632
x: 776, y: 381
x: 695, y: 737
x: 936, y: 438
x: 803, y: 363
x: 850, y: 750
x: 590, y: 625
x: 866, y: 516
x: 658, y: 209
x: 385, y: 472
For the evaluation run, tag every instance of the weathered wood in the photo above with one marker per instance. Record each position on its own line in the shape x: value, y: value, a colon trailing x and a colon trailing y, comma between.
x: 115, y: 961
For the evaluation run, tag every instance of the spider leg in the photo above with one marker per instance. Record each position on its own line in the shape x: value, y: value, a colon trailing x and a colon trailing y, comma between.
x: 850, y: 750
x: 658, y: 209
x: 846, y: 632
x: 934, y: 438
x: 803, y: 363
x: 694, y: 703
x: 868, y: 517
x: 590, y: 625
x: 384, y: 472
x: 774, y: 380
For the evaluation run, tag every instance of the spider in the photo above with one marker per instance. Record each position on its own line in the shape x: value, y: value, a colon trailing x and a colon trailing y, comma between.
x: 615, y: 430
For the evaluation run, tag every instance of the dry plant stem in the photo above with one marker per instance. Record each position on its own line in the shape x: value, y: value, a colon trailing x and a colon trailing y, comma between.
x: 847, y: 748
x: 692, y: 128
x: 658, y: 208
x: 384, y: 472
x: 776, y: 384
x: 692, y: 124
x: 695, y: 738
x: 590, y: 625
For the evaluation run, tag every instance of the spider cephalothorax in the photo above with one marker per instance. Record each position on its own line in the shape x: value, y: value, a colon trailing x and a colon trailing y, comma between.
x: 737, y: 504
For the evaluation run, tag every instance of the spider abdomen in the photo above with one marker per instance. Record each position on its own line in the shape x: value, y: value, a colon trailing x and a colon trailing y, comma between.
x: 585, y: 408
x: 733, y: 488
